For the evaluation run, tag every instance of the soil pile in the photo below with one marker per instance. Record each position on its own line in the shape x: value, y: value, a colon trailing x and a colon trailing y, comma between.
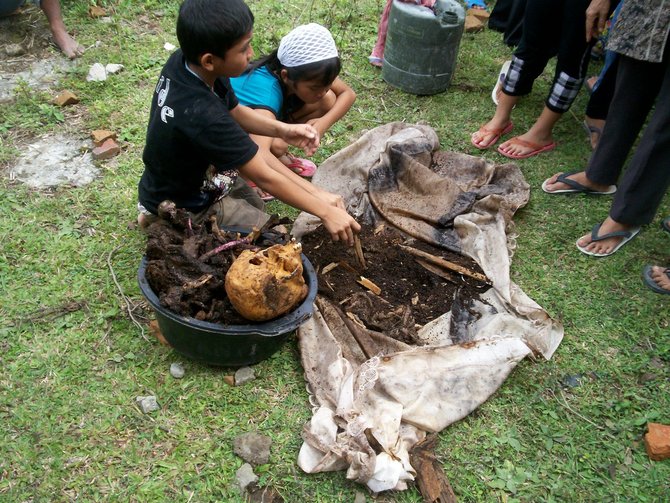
x: 412, y: 290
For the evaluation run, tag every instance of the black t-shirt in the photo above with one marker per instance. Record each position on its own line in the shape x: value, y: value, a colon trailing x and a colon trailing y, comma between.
x: 190, y: 129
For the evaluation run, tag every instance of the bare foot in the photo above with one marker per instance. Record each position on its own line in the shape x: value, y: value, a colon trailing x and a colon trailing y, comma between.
x: 70, y: 47
x: 608, y: 245
x: 488, y: 133
x: 520, y: 149
x: 552, y: 184
x: 660, y: 277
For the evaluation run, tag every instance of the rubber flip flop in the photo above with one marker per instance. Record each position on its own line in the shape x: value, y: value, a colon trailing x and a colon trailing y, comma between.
x: 576, y: 187
x: 265, y: 196
x: 649, y: 281
x: 626, y: 235
x: 301, y: 167
x: 496, y: 132
x: 501, y: 78
x: 375, y: 61
x: 536, y: 148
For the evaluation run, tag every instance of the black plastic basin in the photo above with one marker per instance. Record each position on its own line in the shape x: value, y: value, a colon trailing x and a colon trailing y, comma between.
x: 228, y: 345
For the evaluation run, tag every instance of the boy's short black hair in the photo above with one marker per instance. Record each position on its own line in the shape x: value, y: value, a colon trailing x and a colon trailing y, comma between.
x: 212, y: 26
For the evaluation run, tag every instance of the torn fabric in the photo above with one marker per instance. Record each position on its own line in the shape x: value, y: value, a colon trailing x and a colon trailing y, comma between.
x: 375, y: 397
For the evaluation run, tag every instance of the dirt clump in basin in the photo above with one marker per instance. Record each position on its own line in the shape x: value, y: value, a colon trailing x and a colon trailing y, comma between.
x: 409, y: 293
x: 187, y: 264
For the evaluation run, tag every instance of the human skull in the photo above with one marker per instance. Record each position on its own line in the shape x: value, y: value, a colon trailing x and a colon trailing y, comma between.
x: 266, y: 284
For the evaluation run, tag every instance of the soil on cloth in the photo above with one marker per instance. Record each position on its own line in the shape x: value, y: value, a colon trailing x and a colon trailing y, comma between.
x: 401, y: 279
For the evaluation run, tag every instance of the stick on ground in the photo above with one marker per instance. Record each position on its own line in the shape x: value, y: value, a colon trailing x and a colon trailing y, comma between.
x: 439, y: 261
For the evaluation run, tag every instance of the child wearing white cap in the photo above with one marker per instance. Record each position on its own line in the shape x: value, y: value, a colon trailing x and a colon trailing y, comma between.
x: 297, y: 83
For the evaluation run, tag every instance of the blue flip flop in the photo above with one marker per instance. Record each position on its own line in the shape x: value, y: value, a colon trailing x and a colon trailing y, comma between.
x: 649, y: 281
x: 626, y: 235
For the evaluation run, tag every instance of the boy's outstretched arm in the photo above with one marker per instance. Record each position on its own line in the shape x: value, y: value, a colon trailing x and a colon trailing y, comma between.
x: 303, y: 136
x: 265, y: 144
x: 340, y: 225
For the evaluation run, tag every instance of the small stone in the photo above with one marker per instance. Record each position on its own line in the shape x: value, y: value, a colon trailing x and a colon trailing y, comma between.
x: 657, y: 363
x: 107, y: 150
x: 147, y: 404
x: 66, y: 98
x: 177, y: 370
x: 647, y: 377
x: 96, y: 73
x: 244, y: 375
x: 253, y: 448
x: 246, y: 476
x: 360, y: 497
x: 169, y: 47
x: 572, y: 381
x: 657, y: 441
x: 96, y: 11
x: 229, y: 380
x: 473, y: 24
x: 14, y: 50
x: 113, y: 68
x: 100, y: 135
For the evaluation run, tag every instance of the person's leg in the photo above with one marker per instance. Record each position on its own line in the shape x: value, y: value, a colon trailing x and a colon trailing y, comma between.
x: 600, y: 99
x: 377, y: 55
x: 514, y: 28
x: 314, y: 110
x: 70, y: 47
x: 8, y: 7
x: 241, y: 207
x: 636, y: 88
x: 537, y: 45
x: 571, y: 65
x: 647, y: 177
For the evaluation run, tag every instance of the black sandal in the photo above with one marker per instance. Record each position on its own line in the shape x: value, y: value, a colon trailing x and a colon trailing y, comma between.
x: 649, y: 281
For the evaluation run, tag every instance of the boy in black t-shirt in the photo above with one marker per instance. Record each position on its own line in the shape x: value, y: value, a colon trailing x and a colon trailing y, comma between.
x: 197, y: 139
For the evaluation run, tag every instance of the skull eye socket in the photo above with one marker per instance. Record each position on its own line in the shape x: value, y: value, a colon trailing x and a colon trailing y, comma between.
x: 255, y: 261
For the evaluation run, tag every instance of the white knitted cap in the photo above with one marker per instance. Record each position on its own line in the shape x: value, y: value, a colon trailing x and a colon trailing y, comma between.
x: 306, y: 44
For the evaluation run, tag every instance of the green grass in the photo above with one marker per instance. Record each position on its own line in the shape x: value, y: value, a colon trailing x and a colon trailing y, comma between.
x: 73, y: 360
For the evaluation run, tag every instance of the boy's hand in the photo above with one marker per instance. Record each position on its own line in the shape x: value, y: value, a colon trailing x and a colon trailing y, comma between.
x: 334, y: 200
x: 340, y: 225
x: 303, y: 136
